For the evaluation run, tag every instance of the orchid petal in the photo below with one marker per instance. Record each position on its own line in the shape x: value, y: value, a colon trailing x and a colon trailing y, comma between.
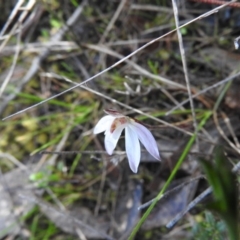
x: 111, y: 139
x: 132, y: 148
x: 147, y: 139
x: 103, y: 124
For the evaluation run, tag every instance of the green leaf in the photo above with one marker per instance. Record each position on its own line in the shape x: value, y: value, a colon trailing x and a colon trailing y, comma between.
x: 223, y: 182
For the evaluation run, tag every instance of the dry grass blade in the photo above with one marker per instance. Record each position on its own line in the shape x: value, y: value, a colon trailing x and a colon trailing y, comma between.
x: 147, y: 7
x: 115, y: 64
x: 3, y: 86
x: 38, y: 60
x: 22, y: 17
x: 11, y: 17
x: 184, y: 63
x: 141, y: 70
x: 64, y: 216
x: 190, y: 206
x: 145, y: 58
x: 215, y: 117
x: 197, y: 200
x: 113, y: 20
x: 53, y: 75
x: 228, y: 79
x: 218, y: 2
x: 230, y: 128
x: 170, y: 192
x: 13, y: 160
x: 39, y: 47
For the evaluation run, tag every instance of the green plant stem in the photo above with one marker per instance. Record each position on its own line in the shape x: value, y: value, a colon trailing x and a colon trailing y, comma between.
x: 179, y: 163
x: 221, y: 96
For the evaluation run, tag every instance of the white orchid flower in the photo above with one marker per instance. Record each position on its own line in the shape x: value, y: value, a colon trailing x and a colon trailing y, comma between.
x: 113, y: 125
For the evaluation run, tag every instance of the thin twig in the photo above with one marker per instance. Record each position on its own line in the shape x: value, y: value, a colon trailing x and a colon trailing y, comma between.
x: 22, y: 17
x: 13, y: 160
x: 215, y: 117
x: 11, y: 17
x: 102, y: 48
x: 64, y: 214
x: 38, y: 60
x: 230, y: 78
x: 53, y: 75
x: 209, y: 190
x: 148, y: 7
x: 230, y: 128
x: 117, y: 63
x: 191, y: 205
x: 113, y: 20
x: 170, y: 96
x: 104, y: 152
x: 197, y: 200
x: 171, y: 191
x: 39, y: 47
x: 7, y: 79
x: 100, y: 191
x: 218, y: 2
x: 185, y: 70
x: 220, y: 130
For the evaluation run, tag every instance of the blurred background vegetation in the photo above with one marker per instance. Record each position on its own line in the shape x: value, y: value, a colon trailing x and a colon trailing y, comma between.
x: 80, y: 192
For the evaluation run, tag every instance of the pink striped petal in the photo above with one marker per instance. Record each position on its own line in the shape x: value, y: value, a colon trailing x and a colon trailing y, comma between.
x: 147, y: 139
x: 132, y: 148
